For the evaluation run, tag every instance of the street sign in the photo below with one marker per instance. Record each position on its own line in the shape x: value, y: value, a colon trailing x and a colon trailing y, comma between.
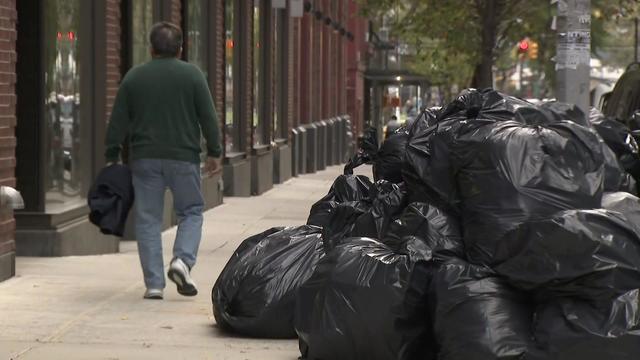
x: 296, y: 7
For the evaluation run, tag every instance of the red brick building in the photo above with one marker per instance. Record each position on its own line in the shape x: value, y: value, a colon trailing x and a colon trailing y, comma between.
x: 285, y: 81
x: 7, y: 124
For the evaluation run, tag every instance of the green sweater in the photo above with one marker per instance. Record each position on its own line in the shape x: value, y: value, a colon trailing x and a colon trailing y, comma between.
x: 163, y: 105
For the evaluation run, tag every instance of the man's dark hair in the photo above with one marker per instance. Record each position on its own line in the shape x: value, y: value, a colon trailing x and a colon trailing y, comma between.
x: 165, y: 39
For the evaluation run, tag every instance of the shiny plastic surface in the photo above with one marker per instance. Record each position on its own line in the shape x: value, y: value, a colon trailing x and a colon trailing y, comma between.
x: 255, y: 293
x: 389, y: 160
x: 573, y: 329
x: 589, y: 254
x: 499, y: 172
x: 476, y: 315
x: 337, y: 212
x: 366, y: 302
x: 388, y: 201
x: 619, y: 138
x: 438, y: 229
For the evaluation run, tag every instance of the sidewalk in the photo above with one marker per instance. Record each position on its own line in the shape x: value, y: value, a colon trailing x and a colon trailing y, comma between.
x: 91, y: 307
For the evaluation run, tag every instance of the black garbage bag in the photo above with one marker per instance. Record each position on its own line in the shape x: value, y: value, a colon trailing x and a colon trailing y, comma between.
x: 389, y: 160
x: 509, y: 174
x: 256, y: 292
x: 619, y: 138
x: 626, y: 204
x: 440, y: 230
x: 500, y: 172
x: 509, y: 143
x: 416, y: 167
x: 558, y: 111
x: 366, y: 302
x: 588, y: 254
x: 388, y: 202
x: 427, y: 169
x: 348, y: 198
x: 427, y: 118
x: 491, y: 105
x: 615, y: 177
x: 367, y: 151
x: 351, y: 191
x: 476, y: 315
x: 570, y: 329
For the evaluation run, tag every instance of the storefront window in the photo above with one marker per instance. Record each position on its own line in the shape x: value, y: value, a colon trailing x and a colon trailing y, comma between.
x: 197, y: 34
x: 195, y: 44
x: 231, y: 137
x: 280, y: 80
x: 257, y: 126
x: 142, y: 21
x: 63, y: 142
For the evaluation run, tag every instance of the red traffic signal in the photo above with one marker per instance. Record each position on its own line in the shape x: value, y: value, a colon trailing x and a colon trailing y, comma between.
x: 523, y: 46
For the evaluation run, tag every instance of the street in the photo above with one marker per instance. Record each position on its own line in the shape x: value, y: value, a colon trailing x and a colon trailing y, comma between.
x: 91, y: 307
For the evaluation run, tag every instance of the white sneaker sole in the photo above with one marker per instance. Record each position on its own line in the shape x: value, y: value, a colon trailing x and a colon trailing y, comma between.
x: 184, y: 288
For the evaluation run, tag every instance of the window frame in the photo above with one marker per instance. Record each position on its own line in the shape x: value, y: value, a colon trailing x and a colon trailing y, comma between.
x: 236, y: 79
x: 281, y: 75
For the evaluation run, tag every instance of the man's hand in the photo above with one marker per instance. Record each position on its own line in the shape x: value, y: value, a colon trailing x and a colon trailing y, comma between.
x: 212, y: 166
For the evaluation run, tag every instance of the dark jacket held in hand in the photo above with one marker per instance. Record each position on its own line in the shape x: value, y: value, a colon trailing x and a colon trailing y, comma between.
x: 110, y: 199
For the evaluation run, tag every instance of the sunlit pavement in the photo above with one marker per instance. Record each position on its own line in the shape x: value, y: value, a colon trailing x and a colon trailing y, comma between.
x: 91, y: 307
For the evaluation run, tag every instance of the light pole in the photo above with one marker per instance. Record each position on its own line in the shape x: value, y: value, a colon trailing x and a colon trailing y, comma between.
x: 573, y: 52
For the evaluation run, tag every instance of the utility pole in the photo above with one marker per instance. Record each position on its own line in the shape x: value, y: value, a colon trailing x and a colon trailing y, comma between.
x: 573, y: 55
x: 635, y: 39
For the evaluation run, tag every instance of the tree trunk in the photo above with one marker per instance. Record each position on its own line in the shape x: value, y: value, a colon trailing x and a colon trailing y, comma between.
x: 489, y: 12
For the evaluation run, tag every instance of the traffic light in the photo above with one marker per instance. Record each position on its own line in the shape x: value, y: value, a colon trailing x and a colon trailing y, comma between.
x: 523, y: 46
x: 533, y: 50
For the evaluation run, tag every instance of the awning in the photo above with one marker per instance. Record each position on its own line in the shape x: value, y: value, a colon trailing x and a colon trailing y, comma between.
x: 388, y: 77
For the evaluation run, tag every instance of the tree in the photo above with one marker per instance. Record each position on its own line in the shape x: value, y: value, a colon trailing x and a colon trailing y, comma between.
x: 475, y: 31
x: 464, y: 40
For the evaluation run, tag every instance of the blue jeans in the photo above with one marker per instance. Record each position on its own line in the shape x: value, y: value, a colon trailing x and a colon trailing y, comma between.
x: 150, y: 179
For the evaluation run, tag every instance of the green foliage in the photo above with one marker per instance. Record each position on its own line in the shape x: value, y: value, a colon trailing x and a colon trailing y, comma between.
x: 448, y: 35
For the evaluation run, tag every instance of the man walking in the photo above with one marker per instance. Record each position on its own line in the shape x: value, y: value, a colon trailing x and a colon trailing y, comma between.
x: 164, y: 106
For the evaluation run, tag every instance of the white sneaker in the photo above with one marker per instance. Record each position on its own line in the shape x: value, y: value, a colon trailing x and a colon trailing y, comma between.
x: 179, y: 273
x: 154, y: 294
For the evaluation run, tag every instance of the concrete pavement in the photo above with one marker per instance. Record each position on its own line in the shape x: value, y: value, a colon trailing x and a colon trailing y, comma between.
x: 91, y: 307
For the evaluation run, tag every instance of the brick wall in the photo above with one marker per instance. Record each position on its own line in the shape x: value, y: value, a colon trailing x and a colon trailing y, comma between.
x: 176, y: 12
x: 328, y: 94
x: 113, y: 52
x: 290, y: 58
x: 305, y: 68
x: 218, y: 41
x: 342, y: 74
x: 295, y: 49
x: 246, y: 54
x: 8, y: 17
x: 318, y: 77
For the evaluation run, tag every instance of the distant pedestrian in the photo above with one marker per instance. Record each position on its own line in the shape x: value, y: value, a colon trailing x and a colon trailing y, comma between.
x: 392, y: 126
x: 164, y: 106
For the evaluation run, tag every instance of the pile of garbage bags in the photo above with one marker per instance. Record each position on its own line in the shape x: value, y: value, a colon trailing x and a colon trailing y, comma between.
x: 492, y: 229
x: 255, y: 293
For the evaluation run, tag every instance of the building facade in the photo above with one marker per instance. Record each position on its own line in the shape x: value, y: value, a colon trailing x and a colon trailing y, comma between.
x: 286, y: 78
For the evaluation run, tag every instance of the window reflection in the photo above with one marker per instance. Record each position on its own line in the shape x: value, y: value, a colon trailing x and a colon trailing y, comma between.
x: 230, y: 127
x: 62, y: 135
x: 257, y: 125
x: 195, y: 45
x: 196, y: 34
x: 142, y: 21
x: 278, y: 35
